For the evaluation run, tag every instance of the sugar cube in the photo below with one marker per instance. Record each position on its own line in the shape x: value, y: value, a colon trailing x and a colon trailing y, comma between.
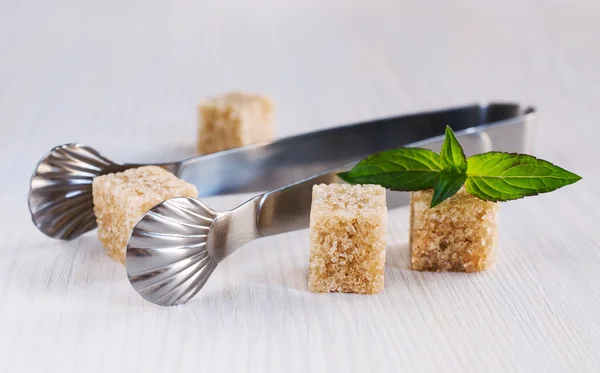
x: 233, y: 120
x: 121, y: 199
x: 347, y: 238
x: 459, y: 234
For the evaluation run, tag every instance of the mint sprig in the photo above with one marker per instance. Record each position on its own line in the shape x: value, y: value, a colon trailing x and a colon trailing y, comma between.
x: 493, y: 176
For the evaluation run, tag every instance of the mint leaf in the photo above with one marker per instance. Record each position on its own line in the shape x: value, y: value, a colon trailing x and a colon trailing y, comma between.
x: 452, y: 154
x: 493, y: 176
x: 454, y: 169
x: 403, y: 169
x: 449, y: 182
x: 497, y: 176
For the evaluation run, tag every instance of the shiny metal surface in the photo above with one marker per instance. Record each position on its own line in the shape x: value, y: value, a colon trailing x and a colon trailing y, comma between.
x: 60, y: 199
x: 173, y: 237
x: 176, y: 246
x: 60, y: 194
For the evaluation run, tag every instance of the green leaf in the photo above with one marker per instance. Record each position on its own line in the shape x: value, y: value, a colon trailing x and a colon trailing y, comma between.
x: 403, y: 169
x: 449, y: 182
x: 454, y: 169
x: 497, y: 176
x: 452, y: 154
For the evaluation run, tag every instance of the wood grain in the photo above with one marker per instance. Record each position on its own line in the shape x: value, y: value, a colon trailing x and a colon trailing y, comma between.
x: 125, y: 77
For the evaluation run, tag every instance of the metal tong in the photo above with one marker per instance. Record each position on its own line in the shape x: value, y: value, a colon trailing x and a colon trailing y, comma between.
x: 175, y: 247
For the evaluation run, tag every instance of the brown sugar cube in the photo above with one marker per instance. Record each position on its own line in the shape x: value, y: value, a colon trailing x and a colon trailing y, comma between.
x: 347, y: 238
x: 458, y: 235
x: 233, y: 120
x: 121, y: 199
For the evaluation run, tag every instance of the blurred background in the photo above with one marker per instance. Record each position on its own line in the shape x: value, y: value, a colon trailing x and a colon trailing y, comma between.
x: 126, y: 76
x: 124, y: 69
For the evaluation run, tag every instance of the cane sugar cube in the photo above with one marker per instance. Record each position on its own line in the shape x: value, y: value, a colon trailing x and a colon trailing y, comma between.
x: 121, y: 199
x: 458, y: 235
x: 233, y: 120
x: 347, y: 238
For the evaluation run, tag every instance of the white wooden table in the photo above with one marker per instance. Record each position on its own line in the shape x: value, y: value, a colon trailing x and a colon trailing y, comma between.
x: 125, y: 77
